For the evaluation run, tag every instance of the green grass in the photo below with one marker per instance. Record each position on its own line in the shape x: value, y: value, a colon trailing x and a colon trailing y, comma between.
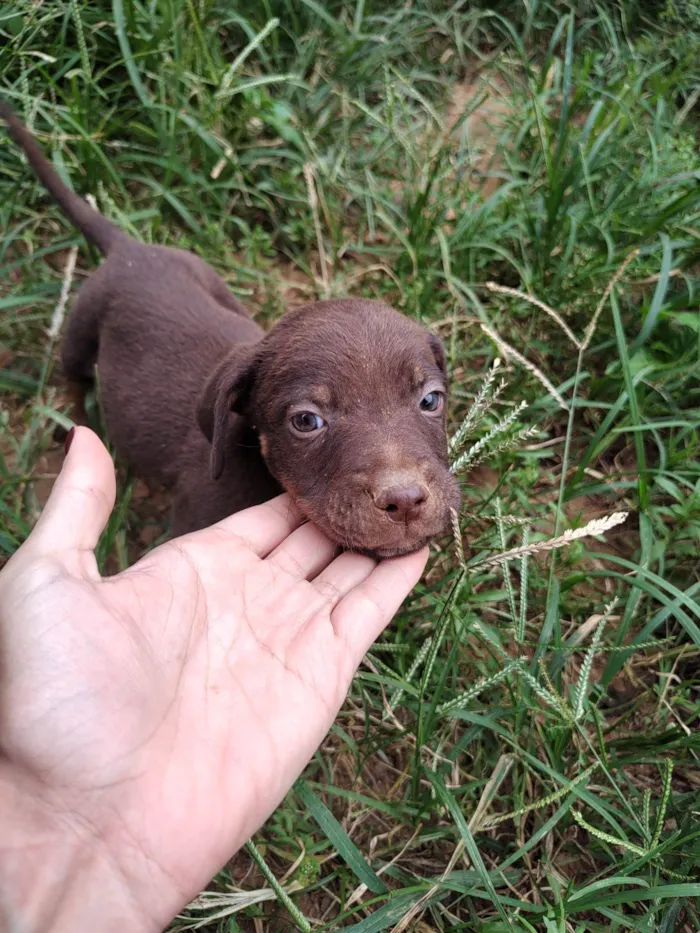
x: 506, y: 760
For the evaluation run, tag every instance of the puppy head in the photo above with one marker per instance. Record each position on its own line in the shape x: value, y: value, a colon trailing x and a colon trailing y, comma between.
x: 348, y: 398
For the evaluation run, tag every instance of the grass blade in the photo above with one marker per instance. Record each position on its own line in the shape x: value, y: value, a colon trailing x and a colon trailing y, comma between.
x: 659, y: 296
x: 470, y: 846
x: 339, y: 839
x: 129, y: 62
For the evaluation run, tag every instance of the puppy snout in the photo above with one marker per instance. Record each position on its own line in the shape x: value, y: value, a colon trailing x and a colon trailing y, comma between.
x: 402, y: 503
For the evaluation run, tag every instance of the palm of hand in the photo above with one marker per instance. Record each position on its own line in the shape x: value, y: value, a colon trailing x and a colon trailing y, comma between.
x: 171, y: 707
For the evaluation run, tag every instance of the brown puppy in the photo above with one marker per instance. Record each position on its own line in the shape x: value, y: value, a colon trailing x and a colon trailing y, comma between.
x: 348, y: 399
x: 342, y: 403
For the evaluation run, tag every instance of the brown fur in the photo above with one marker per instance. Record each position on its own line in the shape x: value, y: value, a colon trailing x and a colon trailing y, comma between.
x: 197, y: 398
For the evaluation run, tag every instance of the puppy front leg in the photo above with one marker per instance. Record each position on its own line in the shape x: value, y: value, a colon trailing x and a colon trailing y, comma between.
x: 75, y: 397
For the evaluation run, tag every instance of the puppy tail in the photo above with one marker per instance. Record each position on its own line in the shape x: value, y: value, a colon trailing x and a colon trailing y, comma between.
x: 94, y: 227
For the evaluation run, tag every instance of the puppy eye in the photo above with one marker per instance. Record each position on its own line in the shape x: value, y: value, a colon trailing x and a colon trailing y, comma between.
x: 432, y: 402
x: 307, y: 422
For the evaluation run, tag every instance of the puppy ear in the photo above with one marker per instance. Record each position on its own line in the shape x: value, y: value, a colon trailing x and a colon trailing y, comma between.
x: 436, y: 345
x: 227, y: 390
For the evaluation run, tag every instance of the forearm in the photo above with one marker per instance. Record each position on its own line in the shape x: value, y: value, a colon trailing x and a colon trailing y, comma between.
x: 56, y: 876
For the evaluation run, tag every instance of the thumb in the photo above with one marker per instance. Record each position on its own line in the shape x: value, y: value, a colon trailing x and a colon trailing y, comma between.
x: 81, y: 499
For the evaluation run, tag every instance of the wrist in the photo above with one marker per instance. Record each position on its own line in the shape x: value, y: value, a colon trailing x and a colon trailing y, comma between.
x: 56, y: 874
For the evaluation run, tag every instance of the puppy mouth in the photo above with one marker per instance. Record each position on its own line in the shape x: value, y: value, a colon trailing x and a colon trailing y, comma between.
x: 380, y: 551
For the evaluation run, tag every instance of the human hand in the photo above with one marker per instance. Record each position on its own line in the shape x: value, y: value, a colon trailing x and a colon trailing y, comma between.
x: 151, y: 721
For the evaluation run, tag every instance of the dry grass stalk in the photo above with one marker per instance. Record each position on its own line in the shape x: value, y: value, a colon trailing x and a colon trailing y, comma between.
x: 498, y: 775
x: 511, y: 352
x: 596, y: 527
x: 60, y: 309
x: 228, y: 903
x: 504, y: 290
x: 590, y: 330
x: 313, y: 204
x: 362, y: 889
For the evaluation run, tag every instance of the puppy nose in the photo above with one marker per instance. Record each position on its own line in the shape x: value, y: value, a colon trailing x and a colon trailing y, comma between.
x: 402, y: 503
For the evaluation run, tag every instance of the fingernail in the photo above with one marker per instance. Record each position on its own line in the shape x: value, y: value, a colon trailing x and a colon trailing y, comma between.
x: 69, y: 440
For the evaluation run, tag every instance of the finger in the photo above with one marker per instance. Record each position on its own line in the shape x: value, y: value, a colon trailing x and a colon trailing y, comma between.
x: 344, y: 574
x: 81, y: 499
x: 361, y: 616
x: 304, y: 553
x: 263, y: 527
